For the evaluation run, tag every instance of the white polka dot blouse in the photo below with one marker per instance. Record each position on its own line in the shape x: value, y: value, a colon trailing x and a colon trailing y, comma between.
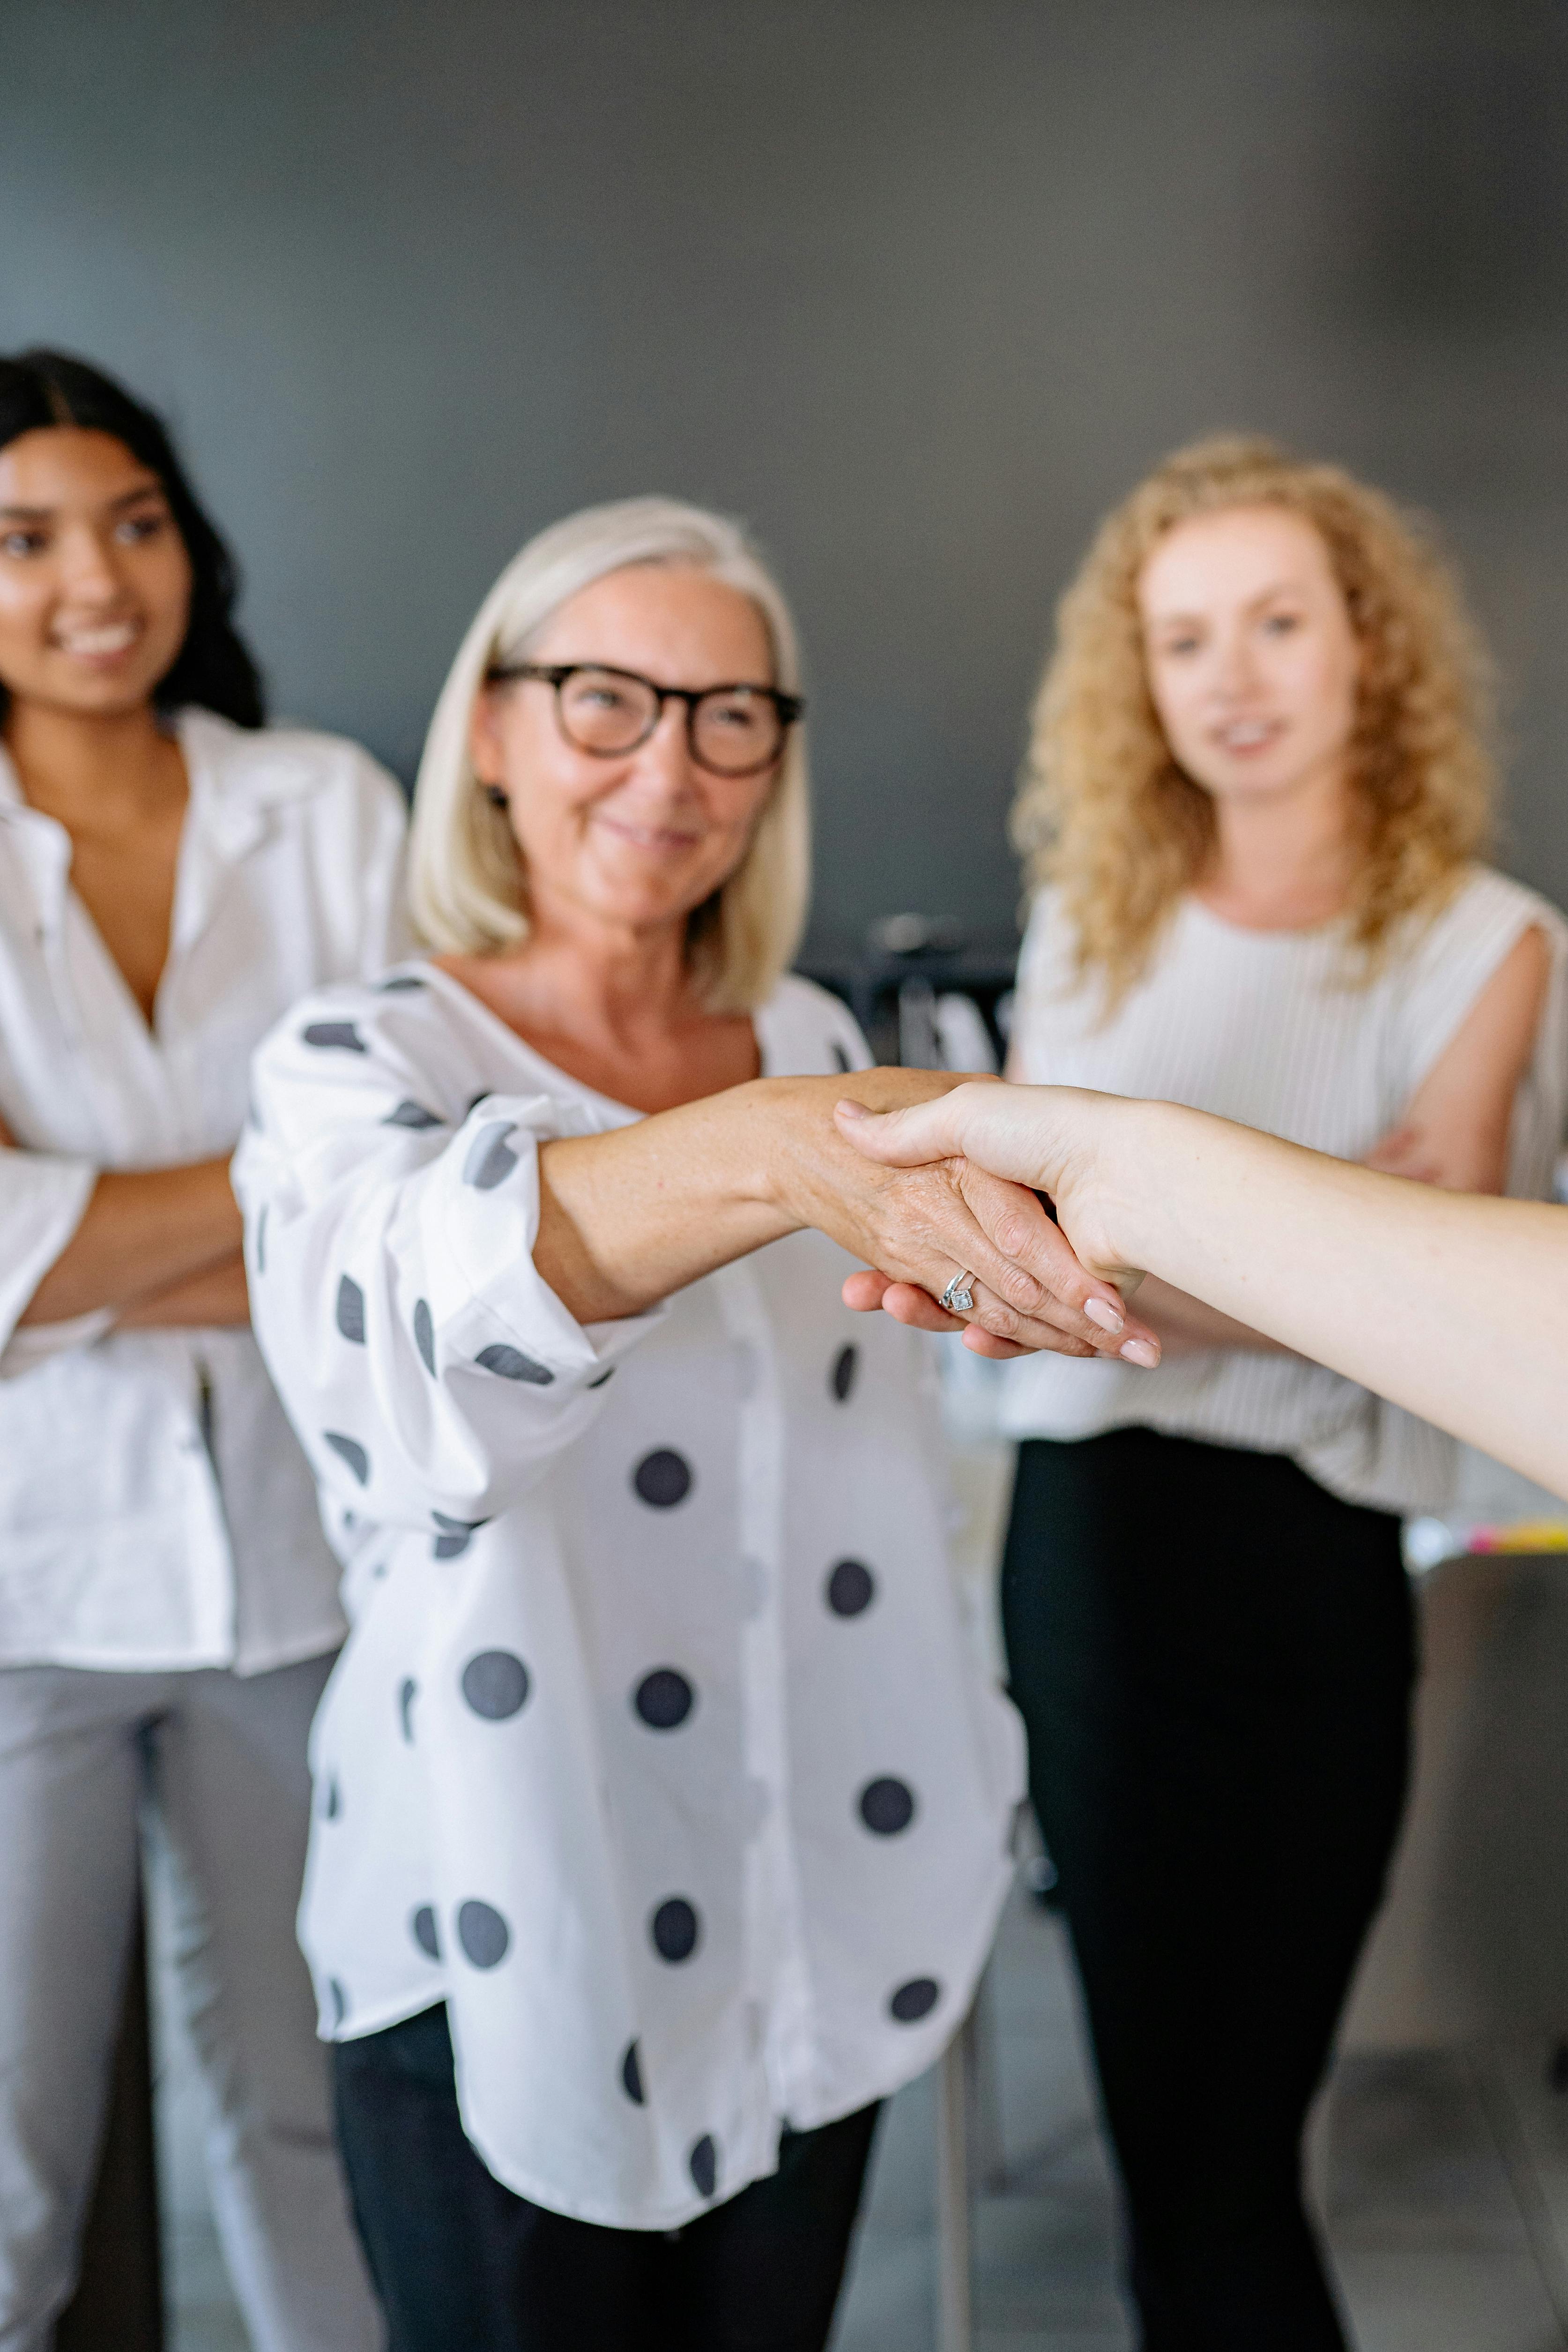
x: 657, y: 1749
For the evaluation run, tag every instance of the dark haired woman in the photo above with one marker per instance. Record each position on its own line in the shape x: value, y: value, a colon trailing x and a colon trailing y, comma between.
x: 173, y: 875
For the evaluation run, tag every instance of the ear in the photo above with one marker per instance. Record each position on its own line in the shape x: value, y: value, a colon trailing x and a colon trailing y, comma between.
x: 486, y: 751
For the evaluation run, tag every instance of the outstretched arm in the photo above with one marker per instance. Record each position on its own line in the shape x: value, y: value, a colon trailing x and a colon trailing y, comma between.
x: 628, y: 1217
x: 1454, y: 1307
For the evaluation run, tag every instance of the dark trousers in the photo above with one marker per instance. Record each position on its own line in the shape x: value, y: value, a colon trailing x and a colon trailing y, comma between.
x: 461, y: 2264
x: 1214, y: 1658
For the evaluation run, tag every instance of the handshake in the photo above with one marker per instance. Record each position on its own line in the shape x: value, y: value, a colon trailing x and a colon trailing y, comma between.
x: 938, y: 1186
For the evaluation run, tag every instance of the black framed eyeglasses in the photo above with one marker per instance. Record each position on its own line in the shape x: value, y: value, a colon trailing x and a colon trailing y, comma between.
x: 731, y: 730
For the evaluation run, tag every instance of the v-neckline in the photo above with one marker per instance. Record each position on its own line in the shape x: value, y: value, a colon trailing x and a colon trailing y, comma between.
x: 487, y: 1018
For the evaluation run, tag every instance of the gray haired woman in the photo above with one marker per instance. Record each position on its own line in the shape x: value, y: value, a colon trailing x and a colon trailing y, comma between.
x: 663, y: 1812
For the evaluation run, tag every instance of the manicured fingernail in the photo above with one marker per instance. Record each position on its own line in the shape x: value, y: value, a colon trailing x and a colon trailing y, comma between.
x: 1140, y: 1351
x: 1101, y: 1311
x: 851, y: 1109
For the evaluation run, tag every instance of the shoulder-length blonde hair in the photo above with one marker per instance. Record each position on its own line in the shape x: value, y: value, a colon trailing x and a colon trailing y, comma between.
x: 467, y: 878
x: 1104, y: 810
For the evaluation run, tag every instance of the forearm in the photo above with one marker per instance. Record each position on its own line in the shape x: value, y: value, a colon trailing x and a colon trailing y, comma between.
x: 140, y: 1234
x: 1189, y: 1326
x: 218, y: 1296
x: 627, y: 1218
x: 1453, y: 1306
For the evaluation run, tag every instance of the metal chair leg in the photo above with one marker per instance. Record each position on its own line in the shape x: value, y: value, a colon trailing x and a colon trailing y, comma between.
x: 954, y: 2330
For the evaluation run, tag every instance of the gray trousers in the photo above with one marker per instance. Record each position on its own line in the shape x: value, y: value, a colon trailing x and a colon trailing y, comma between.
x: 218, y: 1763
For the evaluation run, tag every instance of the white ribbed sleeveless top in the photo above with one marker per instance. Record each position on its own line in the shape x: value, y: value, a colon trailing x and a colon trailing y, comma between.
x: 1265, y: 1027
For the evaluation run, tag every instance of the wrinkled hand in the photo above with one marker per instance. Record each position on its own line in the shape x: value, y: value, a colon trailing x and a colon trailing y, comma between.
x: 937, y: 1212
x: 997, y: 1137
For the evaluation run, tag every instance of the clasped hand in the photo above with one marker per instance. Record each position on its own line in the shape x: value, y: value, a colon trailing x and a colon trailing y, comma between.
x: 945, y: 1213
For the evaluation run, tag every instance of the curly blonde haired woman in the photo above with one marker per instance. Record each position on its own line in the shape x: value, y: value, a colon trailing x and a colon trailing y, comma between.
x: 1256, y: 787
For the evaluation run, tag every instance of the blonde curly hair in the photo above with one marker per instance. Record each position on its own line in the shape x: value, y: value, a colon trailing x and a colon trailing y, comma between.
x: 1103, y: 809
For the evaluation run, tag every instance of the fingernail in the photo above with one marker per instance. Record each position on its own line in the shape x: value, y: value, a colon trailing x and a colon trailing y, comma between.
x: 1101, y: 1311
x: 847, y: 1109
x: 1140, y: 1351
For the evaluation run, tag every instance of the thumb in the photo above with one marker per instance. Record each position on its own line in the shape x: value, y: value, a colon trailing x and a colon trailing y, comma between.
x: 899, y: 1138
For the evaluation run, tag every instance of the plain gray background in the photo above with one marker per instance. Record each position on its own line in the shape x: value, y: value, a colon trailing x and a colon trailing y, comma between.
x: 917, y: 289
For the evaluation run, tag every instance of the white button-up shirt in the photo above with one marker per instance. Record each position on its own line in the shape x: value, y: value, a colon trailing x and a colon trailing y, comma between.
x: 154, y: 1509
x: 656, y: 1750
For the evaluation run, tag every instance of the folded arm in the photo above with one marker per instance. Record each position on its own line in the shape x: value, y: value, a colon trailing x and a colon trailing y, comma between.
x: 139, y: 1235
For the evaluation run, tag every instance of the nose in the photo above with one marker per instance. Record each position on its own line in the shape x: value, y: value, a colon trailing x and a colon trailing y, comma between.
x: 664, y: 757
x: 88, y: 571
x: 1234, y: 674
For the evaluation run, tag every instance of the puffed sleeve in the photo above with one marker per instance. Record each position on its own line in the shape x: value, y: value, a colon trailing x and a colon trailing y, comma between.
x: 430, y: 1372
x: 43, y: 1198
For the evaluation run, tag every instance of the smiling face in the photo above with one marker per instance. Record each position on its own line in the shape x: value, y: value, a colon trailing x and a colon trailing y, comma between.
x: 95, y: 582
x: 640, y: 840
x: 1253, y: 661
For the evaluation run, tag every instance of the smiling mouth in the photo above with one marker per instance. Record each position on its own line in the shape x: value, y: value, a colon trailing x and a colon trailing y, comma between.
x: 1247, y: 734
x: 102, y: 643
x: 649, y: 836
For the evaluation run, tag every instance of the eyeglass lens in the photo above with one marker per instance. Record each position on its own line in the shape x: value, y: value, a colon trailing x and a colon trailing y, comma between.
x: 733, y: 729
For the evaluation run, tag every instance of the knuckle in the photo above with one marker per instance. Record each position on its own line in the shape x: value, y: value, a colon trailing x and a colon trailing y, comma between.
x: 999, y: 1320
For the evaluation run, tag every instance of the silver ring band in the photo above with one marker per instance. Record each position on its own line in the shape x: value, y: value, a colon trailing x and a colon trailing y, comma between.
x: 958, y: 1298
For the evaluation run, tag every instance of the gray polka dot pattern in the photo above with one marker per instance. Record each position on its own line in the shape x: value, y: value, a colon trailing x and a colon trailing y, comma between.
x: 914, y: 1999
x: 408, y: 1690
x: 483, y: 1934
x: 490, y: 1157
x: 425, y: 1931
x: 664, y: 1698
x: 852, y: 1587
x: 663, y: 1478
x: 495, y: 1684
x: 425, y: 1335
x: 455, y: 1535
x: 411, y: 1115
x: 261, y: 1240
x: 350, y: 1310
x: 340, y: 1033
x: 841, y: 1379
x: 332, y: 1800
x: 511, y: 1364
x: 631, y: 2075
x: 887, y: 1806
x: 703, y: 2165
x: 350, y: 1451
x: 401, y: 983
x: 675, y: 1929
x: 598, y: 1383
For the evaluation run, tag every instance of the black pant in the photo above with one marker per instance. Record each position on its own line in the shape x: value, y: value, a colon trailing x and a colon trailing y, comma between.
x: 461, y: 2264
x: 1213, y: 1658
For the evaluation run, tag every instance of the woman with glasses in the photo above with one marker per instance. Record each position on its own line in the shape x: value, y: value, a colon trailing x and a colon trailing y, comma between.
x: 662, y: 1814
x: 173, y: 872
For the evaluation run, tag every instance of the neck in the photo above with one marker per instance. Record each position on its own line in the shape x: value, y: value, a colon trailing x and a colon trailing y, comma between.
x: 607, y: 977
x: 71, y: 765
x: 1281, y: 861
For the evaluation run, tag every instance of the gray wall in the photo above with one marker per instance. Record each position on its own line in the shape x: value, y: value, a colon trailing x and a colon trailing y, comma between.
x: 917, y: 289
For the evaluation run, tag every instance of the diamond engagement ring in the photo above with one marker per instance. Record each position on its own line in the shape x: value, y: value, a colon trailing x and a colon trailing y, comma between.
x: 958, y: 1298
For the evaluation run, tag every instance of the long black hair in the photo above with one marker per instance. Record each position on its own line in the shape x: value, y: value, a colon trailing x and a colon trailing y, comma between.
x: 214, y: 667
